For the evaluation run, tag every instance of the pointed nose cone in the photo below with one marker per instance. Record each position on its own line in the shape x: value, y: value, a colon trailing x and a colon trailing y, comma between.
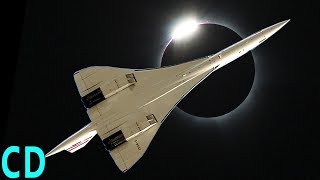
x: 286, y: 21
x: 276, y: 27
x: 269, y: 31
x: 279, y: 25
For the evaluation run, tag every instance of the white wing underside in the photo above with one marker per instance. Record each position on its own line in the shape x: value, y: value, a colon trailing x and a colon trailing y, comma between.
x: 155, y: 94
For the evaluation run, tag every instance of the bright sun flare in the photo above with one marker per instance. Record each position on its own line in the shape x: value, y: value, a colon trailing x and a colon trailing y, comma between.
x: 184, y: 29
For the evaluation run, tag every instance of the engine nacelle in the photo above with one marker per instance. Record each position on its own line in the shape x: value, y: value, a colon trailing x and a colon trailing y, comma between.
x: 108, y: 89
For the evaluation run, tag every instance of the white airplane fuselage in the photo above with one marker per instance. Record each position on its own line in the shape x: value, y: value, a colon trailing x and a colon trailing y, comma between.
x: 207, y: 65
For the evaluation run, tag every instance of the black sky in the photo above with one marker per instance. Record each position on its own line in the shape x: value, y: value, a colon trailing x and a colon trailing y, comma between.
x: 273, y: 136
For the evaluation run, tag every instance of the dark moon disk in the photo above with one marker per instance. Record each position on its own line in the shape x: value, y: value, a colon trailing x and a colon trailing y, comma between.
x: 223, y: 90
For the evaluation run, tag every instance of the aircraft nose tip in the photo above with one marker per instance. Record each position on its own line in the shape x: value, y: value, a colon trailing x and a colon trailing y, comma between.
x: 283, y: 23
x: 273, y: 29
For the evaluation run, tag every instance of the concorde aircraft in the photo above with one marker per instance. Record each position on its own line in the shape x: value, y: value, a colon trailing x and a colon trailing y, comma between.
x: 127, y: 106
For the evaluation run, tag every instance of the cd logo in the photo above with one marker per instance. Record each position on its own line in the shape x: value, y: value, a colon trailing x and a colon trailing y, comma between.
x: 28, y: 173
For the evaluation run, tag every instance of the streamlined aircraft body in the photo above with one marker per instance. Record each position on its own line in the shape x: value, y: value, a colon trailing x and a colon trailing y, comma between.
x: 127, y: 106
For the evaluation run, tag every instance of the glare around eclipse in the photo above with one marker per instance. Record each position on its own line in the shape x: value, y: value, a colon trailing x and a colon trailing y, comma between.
x: 184, y: 29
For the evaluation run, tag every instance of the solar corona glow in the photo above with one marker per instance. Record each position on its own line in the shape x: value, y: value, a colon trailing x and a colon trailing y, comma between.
x: 212, y: 37
x: 184, y: 29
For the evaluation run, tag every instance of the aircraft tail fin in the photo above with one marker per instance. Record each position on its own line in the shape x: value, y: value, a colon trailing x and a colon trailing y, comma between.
x: 75, y: 142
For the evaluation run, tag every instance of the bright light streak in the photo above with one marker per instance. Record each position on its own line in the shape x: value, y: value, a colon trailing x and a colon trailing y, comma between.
x: 184, y: 29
